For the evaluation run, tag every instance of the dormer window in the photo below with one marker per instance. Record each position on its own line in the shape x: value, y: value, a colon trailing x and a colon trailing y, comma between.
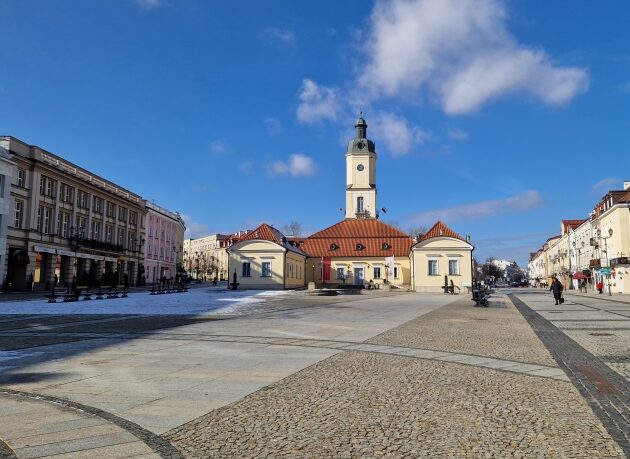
x: 360, y: 246
x: 386, y: 246
x: 333, y: 246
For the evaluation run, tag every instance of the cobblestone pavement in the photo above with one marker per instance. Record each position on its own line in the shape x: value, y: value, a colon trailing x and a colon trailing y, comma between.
x: 597, y: 323
x: 406, y: 375
x: 364, y: 404
x: 370, y: 405
x: 460, y: 327
x: 607, y: 392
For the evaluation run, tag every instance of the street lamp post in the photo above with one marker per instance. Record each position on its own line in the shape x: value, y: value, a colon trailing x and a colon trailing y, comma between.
x: 610, y: 233
x: 138, y: 243
x: 75, y: 235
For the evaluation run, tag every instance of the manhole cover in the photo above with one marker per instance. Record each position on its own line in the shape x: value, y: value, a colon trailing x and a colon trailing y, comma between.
x: 601, y: 334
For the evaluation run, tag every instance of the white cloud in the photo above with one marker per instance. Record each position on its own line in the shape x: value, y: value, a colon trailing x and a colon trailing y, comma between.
x: 524, y: 202
x: 246, y: 167
x: 297, y: 165
x: 285, y: 36
x: 398, y: 134
x: 461, y: 52
x: 274, y: 126
x: 218, y: 147
x: 149, y: 4
x: 317, y: 102
x: 608, y: 184
x: 194, y: 229
x: 456, y: 133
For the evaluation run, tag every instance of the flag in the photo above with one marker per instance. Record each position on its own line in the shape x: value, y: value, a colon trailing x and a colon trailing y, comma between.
x: 326, y: 268
x: 389, y: 262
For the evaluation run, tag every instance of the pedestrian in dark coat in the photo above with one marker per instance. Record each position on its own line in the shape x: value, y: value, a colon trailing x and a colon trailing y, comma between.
x: 556, y: 288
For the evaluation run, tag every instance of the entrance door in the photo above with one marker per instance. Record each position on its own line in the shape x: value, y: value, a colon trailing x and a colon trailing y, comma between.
x: 358, y: 276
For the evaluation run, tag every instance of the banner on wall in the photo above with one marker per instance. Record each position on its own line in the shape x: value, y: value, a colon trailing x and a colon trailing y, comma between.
x: 389, y: 262
x: 326, y: 267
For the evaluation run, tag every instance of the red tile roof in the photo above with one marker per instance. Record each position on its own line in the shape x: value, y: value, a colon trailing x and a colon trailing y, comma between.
x: 269, y: 233
x: 571, y: 224
x: 376, y: 238
x: 440, y: 230
x: 266, y: 232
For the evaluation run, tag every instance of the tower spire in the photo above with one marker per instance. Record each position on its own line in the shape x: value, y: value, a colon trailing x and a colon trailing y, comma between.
x: 361, y: 127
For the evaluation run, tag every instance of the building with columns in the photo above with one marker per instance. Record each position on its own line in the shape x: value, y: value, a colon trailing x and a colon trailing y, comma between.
x: 68, y: 225
x: 164, y: 243
x: 357, y: 251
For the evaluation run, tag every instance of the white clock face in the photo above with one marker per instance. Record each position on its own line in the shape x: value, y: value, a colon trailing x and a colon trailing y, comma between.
x: 360, y: 167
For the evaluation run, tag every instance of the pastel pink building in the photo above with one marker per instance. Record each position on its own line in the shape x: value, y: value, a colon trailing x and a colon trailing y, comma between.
x: 163, y: 245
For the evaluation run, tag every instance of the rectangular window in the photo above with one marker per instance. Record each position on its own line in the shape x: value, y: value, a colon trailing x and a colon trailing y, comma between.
x: 2, y: 179
x: 377, y: 272
x: 82, y: 226
x: 96, y: 230
x: 395, y: 272
x: 65, y: 224
x: 360, y: 204
x: 49, y: 187
x: 42, y: 181
x: 47, y: 213
x: 108, y: 233
x: 17, y: 214
x: 84, y: 200
x: 246, y: 269
x: 21, y: 178
x: 121, y: 236
x: 340, y: 275
x: 433, y: 268
x: 122, y: 214
x: 453, y: 267
x: 111, y: 209
x: 266, y: 269
x: 133, y: 218
x: 40, y: 211
x: 97, y: 205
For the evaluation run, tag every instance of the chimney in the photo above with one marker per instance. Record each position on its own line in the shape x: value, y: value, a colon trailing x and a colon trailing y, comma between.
x: 626, y: 185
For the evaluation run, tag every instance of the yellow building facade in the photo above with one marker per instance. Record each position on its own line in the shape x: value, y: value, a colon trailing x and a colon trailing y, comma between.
x: 358, y: 252
x: 442, y: 258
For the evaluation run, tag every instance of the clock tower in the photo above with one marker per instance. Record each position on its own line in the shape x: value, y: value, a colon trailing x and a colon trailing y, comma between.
x: 361, y: 174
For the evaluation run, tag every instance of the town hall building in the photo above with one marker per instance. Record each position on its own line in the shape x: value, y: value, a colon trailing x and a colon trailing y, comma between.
x: 360, y: 250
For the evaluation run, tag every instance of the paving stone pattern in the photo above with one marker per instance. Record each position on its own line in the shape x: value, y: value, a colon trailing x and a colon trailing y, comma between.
x: 359, y: 404
x: 50, y: 426
x: 498, y: 331
x: 606, y: 391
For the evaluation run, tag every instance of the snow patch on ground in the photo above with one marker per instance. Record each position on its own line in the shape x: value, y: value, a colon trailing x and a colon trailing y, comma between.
x: 198, y: 301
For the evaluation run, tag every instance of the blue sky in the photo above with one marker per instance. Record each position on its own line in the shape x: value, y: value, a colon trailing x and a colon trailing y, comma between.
x: 499, y: 117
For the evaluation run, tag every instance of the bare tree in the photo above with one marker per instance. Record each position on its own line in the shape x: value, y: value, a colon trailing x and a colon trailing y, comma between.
x: 491, y: 269
x: 417, y: 232
x: 292, y: 229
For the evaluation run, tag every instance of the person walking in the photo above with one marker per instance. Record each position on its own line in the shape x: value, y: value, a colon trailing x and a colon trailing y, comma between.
x: 556, y: 288
x: 600, y: 287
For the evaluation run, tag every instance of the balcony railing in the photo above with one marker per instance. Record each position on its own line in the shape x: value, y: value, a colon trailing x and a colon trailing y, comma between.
x: 98, y: 245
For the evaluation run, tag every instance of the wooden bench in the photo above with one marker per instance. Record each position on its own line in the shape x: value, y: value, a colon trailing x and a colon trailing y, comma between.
x: 481, y: 297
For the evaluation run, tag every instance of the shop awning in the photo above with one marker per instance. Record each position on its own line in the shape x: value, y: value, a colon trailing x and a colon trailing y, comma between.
x: 580, y: 275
